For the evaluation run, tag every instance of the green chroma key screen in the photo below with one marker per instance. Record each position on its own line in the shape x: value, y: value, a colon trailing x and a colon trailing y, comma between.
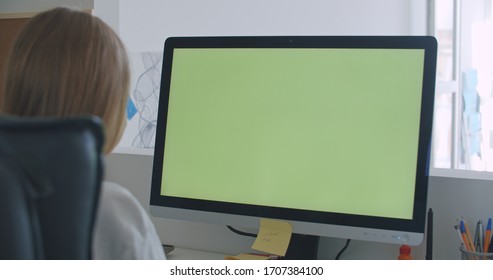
x: 332, y: 130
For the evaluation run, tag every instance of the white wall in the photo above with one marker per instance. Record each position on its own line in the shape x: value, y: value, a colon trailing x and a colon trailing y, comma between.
x: 29, y: 6
x: 109, y: 12
x: 144, y: 25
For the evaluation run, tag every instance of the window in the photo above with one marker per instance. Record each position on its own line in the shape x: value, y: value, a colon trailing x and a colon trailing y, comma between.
x: 463, y: 127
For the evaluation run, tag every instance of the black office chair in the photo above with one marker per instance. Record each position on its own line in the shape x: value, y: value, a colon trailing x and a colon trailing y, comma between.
x: 50, y: 178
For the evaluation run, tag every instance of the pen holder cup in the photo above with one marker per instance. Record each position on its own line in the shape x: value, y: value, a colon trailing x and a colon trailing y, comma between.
x: 467, y: 255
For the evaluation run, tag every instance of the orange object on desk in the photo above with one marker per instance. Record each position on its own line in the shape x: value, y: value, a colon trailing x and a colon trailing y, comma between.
x: 405, y: 253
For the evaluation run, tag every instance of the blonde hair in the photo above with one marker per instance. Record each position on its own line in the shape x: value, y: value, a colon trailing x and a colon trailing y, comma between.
x: 68, y: 63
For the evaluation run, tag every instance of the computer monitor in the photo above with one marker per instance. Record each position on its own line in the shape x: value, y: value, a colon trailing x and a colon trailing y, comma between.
x: 329, y: 133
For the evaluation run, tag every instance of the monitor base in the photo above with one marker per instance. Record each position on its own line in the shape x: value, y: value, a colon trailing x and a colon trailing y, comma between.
x: 302, y: 247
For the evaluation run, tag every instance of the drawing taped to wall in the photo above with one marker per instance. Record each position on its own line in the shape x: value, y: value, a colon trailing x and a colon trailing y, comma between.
x: 143, y: 102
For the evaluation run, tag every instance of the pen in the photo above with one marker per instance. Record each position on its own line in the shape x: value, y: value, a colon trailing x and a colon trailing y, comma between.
x: 429, y: 236
x: 487, y: 236
x: 479, y: 235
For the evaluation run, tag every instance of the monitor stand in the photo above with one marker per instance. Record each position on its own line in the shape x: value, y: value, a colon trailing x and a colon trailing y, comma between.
x: 302, y: 247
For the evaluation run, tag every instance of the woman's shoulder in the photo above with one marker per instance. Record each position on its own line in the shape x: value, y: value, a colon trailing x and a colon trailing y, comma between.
x: 117, y: 200
x: 123, y: 224
x: 111, y: 189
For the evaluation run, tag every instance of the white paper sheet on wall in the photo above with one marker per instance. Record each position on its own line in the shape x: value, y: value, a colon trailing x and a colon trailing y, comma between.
x: 143, y: 102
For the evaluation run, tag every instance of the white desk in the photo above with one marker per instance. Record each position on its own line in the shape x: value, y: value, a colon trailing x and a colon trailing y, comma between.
x: 190, y: 254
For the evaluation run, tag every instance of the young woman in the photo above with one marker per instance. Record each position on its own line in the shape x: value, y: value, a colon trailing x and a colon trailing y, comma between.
x: 68, y: 63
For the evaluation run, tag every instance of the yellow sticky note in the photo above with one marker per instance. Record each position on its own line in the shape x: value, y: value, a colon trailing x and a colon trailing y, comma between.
x: 273, y: 237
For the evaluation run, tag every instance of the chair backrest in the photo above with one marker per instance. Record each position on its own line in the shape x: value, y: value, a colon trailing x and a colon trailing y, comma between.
x: 50, y: 179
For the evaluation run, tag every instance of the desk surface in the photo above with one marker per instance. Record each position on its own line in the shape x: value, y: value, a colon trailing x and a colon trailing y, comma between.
x: 190, y: 254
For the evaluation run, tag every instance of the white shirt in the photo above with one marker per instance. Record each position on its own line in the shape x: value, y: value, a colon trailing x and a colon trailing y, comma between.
x: 122, y: 229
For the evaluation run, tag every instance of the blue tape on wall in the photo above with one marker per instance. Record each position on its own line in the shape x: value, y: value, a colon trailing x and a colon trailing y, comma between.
x: 131, y: 109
